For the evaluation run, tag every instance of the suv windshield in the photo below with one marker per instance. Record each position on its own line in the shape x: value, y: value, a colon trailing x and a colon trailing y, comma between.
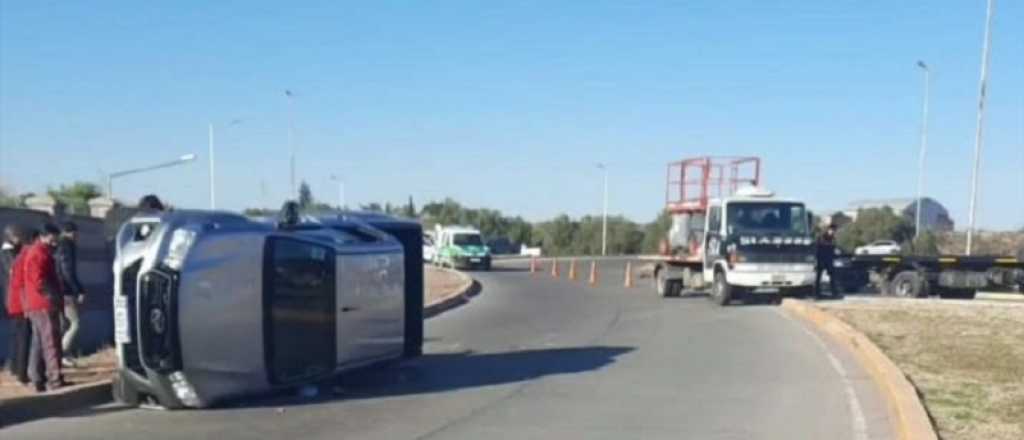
x: 787, y: 218
x: 467, y: 240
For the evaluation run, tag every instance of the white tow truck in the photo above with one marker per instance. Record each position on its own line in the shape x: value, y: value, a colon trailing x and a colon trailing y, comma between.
x: 731, y: 234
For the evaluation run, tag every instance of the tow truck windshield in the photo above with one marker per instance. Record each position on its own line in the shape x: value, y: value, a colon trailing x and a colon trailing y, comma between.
x: 771, y: 217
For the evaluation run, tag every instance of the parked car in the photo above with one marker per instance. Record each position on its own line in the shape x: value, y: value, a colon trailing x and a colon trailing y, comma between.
x: 461, y: 247
x: 429, y: 249
x: 210, y: 306
x: 880, y: 247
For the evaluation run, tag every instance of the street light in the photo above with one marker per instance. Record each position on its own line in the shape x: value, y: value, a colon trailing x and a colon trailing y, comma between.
x: 291, y: 142
x: 924, y: 147
x: 982, y: 91
x: 179, y: 161
x: 213, y: 192
x: 604, y: 215
x: 341, y: 191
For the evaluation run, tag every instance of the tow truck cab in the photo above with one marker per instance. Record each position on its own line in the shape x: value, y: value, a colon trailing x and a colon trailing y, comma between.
x: 757, y: 244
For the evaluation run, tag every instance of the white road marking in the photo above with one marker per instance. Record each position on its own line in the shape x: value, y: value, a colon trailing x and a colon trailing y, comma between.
x: 860, y: 425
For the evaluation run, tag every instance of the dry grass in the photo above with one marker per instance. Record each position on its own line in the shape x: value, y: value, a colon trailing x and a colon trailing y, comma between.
x: 966, y: 360
x: 440, y: 283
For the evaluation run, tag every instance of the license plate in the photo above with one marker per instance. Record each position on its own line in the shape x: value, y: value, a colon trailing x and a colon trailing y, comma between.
x: 778, y: 278
x: 121, y: 332
x: 474, y: 260
x: 766, y: 290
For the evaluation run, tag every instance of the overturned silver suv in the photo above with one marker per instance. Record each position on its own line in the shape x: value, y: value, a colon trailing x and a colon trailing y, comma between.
x: 210, y: 306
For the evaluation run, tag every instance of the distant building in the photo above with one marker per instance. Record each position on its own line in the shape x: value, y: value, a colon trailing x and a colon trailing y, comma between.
x: 934, y: 216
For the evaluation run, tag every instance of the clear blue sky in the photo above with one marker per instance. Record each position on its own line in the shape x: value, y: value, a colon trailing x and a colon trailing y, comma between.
x: 509, y: 104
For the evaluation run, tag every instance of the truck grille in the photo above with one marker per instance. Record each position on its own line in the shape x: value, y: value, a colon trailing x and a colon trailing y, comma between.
x: 157, y: 314
x: 130, y: 351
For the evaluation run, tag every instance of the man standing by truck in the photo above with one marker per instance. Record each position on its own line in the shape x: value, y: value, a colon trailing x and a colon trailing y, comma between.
x: 42, y: 302
x: 826, y: 261
x: 66, y: 259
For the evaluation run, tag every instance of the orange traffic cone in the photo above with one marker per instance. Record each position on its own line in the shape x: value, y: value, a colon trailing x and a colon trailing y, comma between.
x: 533, y: 264
x: 593, y: 273
x: 554, y: 268
x: 629, y: 274
x: 572, y: 270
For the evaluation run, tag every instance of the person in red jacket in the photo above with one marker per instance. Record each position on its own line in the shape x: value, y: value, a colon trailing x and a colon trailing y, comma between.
x: 42, y: 303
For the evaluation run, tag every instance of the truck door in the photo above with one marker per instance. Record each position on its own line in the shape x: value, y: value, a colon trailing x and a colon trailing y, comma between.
x: 299, y: 316
x: 712, y: 241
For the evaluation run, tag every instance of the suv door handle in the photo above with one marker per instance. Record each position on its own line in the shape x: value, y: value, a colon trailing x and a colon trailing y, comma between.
x: 345, y: 309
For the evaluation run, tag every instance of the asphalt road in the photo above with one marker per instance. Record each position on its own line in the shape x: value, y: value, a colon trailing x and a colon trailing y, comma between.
x: 532, y: 357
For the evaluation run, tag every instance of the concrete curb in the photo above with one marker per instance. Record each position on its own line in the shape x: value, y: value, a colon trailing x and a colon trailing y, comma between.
x: 22, y: 409
x: 909, y: 418
x: 468, y: 289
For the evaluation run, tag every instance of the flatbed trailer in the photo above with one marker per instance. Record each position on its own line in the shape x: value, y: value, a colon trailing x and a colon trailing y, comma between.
x: 946, y: 276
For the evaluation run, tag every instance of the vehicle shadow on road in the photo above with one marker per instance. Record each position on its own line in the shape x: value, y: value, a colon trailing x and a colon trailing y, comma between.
x: 443, y: 372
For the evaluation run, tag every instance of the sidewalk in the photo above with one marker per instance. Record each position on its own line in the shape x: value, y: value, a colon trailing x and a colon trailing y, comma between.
x: 96, y: 367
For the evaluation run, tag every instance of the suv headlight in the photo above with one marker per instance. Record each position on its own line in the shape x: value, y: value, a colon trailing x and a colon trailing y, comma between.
x: 181, y: 242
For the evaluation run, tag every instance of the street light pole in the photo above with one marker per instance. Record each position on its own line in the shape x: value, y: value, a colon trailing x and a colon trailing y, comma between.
x: 982, y: 92
x: 291, y: 142
x: 604, y: 215
x: 179, y: 161
x: 924, y: 147
x: 213, y: 189
x: 341, y: 191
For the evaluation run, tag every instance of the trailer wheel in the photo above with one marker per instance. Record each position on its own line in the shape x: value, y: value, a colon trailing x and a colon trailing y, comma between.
x: 907, y: 284
x: 721, y: 291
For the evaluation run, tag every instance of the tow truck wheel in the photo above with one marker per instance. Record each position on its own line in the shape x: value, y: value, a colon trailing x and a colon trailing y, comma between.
x: 721, y: 292
x: 907, y: 284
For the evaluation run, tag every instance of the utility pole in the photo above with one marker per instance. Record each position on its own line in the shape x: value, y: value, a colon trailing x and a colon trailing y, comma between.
x: 982, y: 92
x: 924, y: 147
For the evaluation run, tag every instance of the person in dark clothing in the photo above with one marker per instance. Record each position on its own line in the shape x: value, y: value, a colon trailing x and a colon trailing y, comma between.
x: 10, y: 299
x: 150, y: 202
x: 66, y: 259
x: 826, y: 261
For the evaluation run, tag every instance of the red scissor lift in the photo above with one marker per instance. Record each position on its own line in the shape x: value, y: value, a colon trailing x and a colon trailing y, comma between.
x: 691, y: 183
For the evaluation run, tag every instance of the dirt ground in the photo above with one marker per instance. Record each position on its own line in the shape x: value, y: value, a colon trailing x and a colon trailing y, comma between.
x: 439, y: 284
x: 101, y: 365
x: 93, y: 368
x: 966, y: 359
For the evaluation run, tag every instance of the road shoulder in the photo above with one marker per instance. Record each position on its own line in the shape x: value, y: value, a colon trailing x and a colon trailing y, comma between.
x: 907, y: 414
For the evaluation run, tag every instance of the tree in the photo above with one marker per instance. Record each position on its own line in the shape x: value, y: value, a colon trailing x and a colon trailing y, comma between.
x: 410, y: 209
x: 875, y: 224
x: 925, y: 244
x: 305, y: 195
x: 76, y: 196
x: 9, y: 200
x: 656, y: 231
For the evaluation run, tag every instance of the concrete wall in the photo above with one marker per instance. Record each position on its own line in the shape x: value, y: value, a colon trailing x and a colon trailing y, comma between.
x: 95, y: 259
